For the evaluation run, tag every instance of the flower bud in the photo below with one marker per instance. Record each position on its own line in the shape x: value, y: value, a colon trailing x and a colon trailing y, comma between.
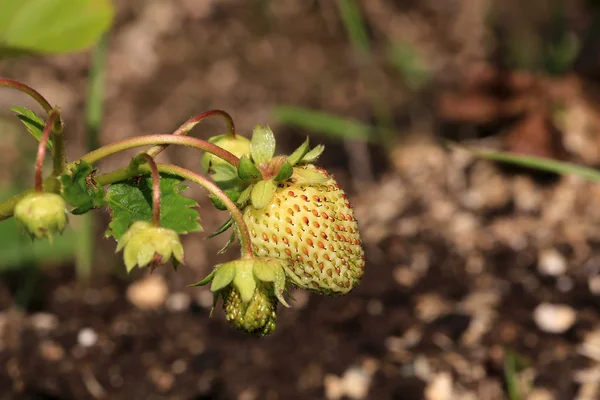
x: 41, y: 214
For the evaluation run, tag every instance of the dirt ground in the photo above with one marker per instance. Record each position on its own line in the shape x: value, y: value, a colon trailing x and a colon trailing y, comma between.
x: 470, y: 264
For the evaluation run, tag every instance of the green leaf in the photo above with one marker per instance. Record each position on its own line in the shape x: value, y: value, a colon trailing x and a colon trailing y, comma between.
x: 297, y: 155
x: 223, y: 276
x: 262, y: 145
x: 312, y: 155
x: 262, y: 193
x: 131, y: 201
x: 285, y: 172
x: 328, y: 124
x: 52, y: 26
x: 33, y: 123
x: 80, y: 190
x: 247, y: 171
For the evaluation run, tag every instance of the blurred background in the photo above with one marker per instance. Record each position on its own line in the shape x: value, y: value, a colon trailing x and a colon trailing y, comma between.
x: 482, y: 280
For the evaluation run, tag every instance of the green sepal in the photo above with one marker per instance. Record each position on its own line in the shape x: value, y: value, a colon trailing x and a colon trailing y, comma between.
x: 219, y: 205
x: 244, y: 196
x: 271, y: 270
x: 244, y: 279
x: 299, y: 153
x: 305, y: 176
x: 285, y: 172
x: 312, y: 155
x: 247, y: 171
x: 262, y: 193
x: 224, y: 274
x: 227, y: 244
x: 222, y: 228
x: 262, y: 144
x: 206, y: 280
x: 216, y: 296
x: 143, y: 240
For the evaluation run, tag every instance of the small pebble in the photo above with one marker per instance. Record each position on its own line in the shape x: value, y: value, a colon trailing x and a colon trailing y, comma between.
x: 440, y: 387
x: 51, y: 351
x: 594, y: 285
x: 178, y: 302
x: 43, y: 321
x: 551, y: 262
x: 149, y: 293
x: 87, y: 337
x: 356, y: 382
x: 554, y: 318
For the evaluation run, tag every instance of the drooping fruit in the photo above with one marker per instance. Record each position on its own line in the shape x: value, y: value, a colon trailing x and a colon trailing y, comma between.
x: 312, y: 227
x: 41, y: 215
x: 258, y: 316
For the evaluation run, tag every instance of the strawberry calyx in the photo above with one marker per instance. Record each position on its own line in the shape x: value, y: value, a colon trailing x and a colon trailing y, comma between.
x: 145, y: 244
x: 245, y: 275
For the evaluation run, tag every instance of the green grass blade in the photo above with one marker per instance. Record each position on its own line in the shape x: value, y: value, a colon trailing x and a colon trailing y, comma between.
x: 537, y: 163
x: 325, y: 123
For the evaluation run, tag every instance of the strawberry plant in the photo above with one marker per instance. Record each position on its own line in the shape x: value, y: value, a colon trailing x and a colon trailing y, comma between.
x: 294, y: 223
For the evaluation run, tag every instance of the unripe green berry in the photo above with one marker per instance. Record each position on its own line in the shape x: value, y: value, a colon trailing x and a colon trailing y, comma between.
x: 41, y: 214
x: 238, y: 146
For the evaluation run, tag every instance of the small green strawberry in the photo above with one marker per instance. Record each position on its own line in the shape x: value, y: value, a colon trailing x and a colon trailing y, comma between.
x: 237, y: 145
x: 309, y: 223
x: 258, y: 316
x: 251, y: 289
x: 41, y: 215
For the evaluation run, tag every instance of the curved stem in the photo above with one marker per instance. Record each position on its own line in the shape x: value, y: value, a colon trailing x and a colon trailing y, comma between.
x: 187, y: 126
x: 29, y: 91
x: 140, y: 141
x: 236, y: 214
x: 155, y: 188
x: 41, y: 151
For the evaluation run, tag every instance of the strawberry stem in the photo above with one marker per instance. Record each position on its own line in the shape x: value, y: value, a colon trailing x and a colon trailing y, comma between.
x: 41, y: 151
x: 236, y: 214
x: 139, y: 141
x: 34, y: 94
x: 155, y: 188
x: 187, y: 126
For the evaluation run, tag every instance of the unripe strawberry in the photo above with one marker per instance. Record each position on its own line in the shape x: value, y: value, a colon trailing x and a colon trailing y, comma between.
x: 312, y: 227
x: 41, y: 214
x: 258, y: 316
x: 237, y: 145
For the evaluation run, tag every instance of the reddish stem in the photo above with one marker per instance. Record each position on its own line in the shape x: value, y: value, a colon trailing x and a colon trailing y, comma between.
x: 29, y: 91
x: 155, y: 189
x: 41, y: 151
x: 187, y: 126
